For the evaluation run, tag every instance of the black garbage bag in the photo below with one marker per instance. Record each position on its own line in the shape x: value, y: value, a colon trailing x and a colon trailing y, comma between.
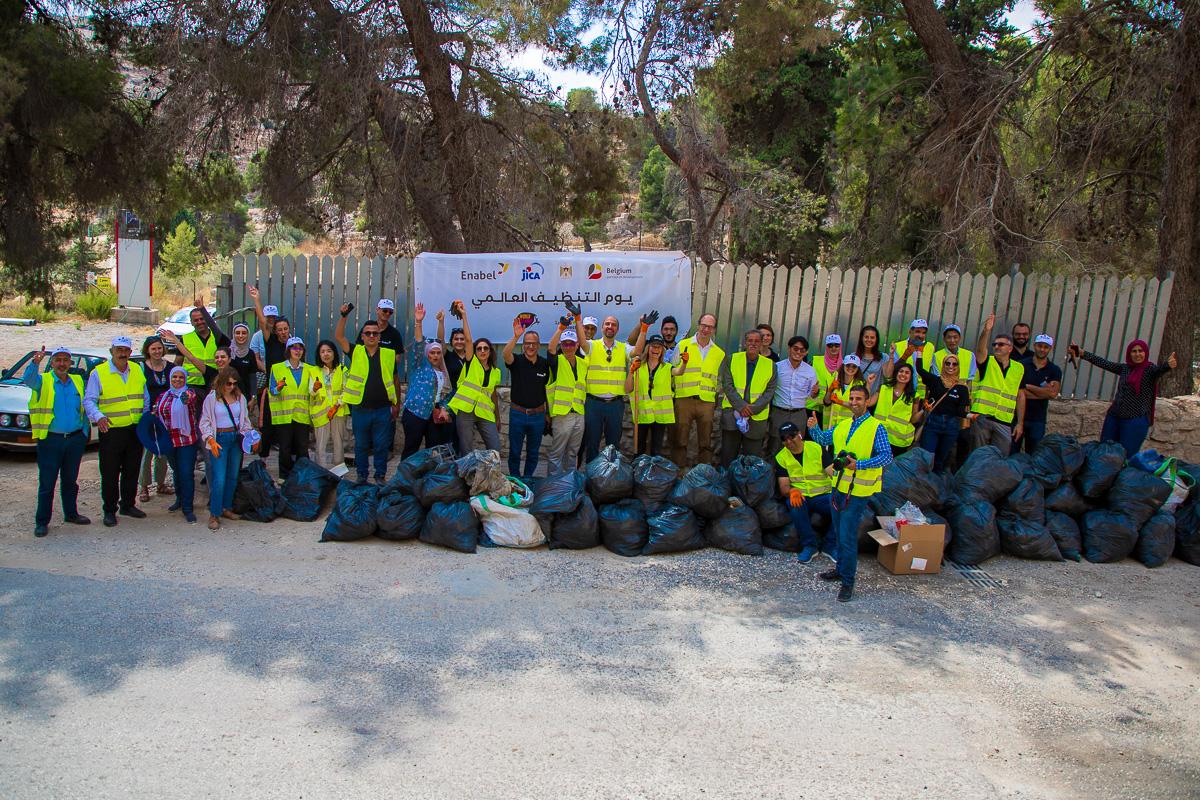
x: 256, y: 496
x: 452, y: 525
x: 306, y: 489
x: 400, y: 516
x: 653, y: 479
x: 985, y: 476
x: 976, y: 537
x: 409, y: 472
x: 704, y: 489
x: 944, y: 482
x: 1187, y: 532
x: 673, y: 529
x: 1137, y: 494
x: 1102, y: 461
x: 1066, y: 499
x: 575, y: 530
x: 935, y: 518
x: 609, y: 476
x: 1107, y: 535
x: 1065, y: 531
x: 1026, y: 501
x: 909, y: 478
x: 1025, y: 538
x: 1022, y: 461
x: 354, y: 512
x: 783, y: 538
x: 866, y: 542
x: 442, y: 485
x: 1156, y: 540
x: 556, y: 494
x: 623, y: 527
x: 1055, y: 460
x: 736, y: 530
x: 752, y: 479
x: 773, y: 513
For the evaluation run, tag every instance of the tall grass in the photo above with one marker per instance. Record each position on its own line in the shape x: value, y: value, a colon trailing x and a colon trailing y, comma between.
x: 95, y: 303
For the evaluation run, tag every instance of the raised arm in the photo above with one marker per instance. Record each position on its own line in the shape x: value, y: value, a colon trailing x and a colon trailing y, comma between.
x: 441, y: 321
x: 512, y: 342
x: 258, y: 312
x: 983, y: 344
x: 339, y: 333
x: 222, y: 339
x: 181, y: 351
x: 467, y: 329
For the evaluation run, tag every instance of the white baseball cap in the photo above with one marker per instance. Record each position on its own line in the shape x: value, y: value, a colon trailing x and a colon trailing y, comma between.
x: 294, y: 341
x: 64, y: 350
x: 952, y: 327
x: 853, y: 359
x: 1044, y: 338
x: 920, y: 323
x: 122, y: 341
x: 595, y: 323
x: 568, y: 336
x: 270, y: 311
x: 833, y: 338
x: 385, y: 303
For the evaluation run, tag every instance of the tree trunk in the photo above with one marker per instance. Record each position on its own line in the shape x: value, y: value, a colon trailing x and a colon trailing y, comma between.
x: 1179, y: 234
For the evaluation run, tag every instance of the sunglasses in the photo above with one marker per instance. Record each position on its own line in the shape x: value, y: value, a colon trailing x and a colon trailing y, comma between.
x: 387, y: 311
x: 567, y: 344
x: 1001, y: 344
x: 370, y: 333
x: 231, y: 382
x: 949, y: 362
x: 483, y: 348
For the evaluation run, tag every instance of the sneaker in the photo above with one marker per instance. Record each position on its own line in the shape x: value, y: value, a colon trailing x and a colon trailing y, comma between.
x: 40, y: 530
x: 191, y: 518
x: 845, y: 593
x: 806, y: 555
x: 133, y: 511
x: 178, y: 504
x: 830, y: 575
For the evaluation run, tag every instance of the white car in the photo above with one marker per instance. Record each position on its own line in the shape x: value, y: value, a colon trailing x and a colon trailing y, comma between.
x: 15, y: 433
x: 180, y: 322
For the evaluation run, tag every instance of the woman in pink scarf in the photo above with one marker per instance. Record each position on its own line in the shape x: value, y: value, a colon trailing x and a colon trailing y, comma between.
x: 1132, y: 411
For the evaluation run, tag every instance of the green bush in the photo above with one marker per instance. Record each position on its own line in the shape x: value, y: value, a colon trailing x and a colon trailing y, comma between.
x: 34, y: 311
x: 95, y: 303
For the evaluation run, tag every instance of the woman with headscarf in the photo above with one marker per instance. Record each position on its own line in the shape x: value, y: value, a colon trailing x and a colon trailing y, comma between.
x: 426, y: 417
x: 826, y: 366
x: 946, y: 406
x: 158, y: 372
x: 178, y: 409
x: 242, y: 358
x: 1132, y: 411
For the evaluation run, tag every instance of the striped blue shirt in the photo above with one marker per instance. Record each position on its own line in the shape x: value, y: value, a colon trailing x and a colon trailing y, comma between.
x: 881, y: 452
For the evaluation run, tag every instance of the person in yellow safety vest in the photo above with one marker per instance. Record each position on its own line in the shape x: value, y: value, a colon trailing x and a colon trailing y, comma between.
x: 861, y: 451
x: 747, y: 385
x: 295, y: 387
x: 837, y: 393
x: 567, y: 393
x: 697, y: 369
x: 474, y: 402
x: 897, y: 408
x: 805, y: 486
x: 115, y: 399
x: 201, y: 343
x: 826, y: 366
x: 654, y: 399
x: 372, y: 392
x: 998, y: 396
x: 608, y: 362
x: 952, y: 339
x: 328, y: 411
x: 916, y: 348
x: 60, y: 429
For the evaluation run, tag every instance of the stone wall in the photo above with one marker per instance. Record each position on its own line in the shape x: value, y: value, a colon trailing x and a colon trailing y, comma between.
x: 1176, y: 430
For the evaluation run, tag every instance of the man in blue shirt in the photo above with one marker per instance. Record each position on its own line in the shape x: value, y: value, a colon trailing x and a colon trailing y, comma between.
x: 61, y: 431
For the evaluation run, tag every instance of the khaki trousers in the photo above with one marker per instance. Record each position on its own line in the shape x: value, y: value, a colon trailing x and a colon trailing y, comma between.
x: 689, y: 410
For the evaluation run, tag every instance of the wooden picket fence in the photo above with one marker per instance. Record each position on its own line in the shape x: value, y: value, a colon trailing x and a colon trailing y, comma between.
x: 1101, y: 313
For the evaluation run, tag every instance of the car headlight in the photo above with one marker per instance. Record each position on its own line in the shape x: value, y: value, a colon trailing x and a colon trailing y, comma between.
x: 22, y: 421
x: 5, y: 420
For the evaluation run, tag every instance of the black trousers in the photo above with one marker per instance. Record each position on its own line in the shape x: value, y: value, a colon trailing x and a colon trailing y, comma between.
x: 264, y: 425
x: 292, y: 440
x: 650, y: 438
x: 120, y: 463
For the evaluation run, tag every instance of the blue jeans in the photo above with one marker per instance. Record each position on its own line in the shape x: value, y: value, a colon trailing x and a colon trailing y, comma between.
x: 183, y: 465
x: 524, y: 430
x: 1129, y: 433
x: 222, y: 472
x: 58, y: 460
x: 1034, y: 432
x: 804, y: 528
x: 939, y: 437
x: 601, y: 419
x: 848, y: 511
x: 371, y: 427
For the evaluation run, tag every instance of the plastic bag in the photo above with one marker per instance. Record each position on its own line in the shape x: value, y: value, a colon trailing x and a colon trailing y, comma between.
x: 985, y: 476
x: 1065, y: 531
x: 609, y: 476
x: 1025, y: 538
x: 976, y: 537
x: 704, y: 490
x: 442, y: 485
x: 1066, y: 499
x: 1107, y: 535
x: 557, y: 494
x: 737, y: 530
x: 773, y: 513
x: 911, y: 515
x: 1156, y: 540
x: 256, y: 496
x: 1026, y: 501
x: 672, y: 529
x: 1022, y: 461
x: 937, y: 519
x: 752, y: 479
x: 354, y: 514
x: 1187, y: 533
x: 409, y: 472
x: 578, y: 529
x: 1178, y: 478
x: 623, y: 527
x: 1137, y: 494
x: 400, y: 516
x: 506, y: 525
x: 909, y: 478
x: 1055, y: 460
x: 483, y: 473
x: 1102, y: 462
x: 452, y: 525
x: 653, y: 479
x: 306, y: 489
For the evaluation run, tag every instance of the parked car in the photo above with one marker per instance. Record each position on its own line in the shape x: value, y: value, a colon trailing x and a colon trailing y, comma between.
x: 180, y: 322
x: 15, y: 433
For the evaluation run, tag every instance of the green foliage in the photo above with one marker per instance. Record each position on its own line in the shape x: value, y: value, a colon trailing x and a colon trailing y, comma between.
x: 25, y: 310
x: 654, y: 194
x: 777, y: 219
x: 95, y: 303
x: 277, y: 238
x: 180, y: 254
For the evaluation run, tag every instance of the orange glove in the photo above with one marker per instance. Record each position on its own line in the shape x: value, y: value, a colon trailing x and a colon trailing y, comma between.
x: 332, y: 412
x: 280, y: 384
x: 929, y: 405
x: 796, y: 498
x: 685, y: 355
x: 633, y: 365
x: 834, y: 385
x: 317, y: 385
x: 213, y: 448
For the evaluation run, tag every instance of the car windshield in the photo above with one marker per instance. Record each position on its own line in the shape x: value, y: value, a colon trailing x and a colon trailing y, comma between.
x: 182, y: 315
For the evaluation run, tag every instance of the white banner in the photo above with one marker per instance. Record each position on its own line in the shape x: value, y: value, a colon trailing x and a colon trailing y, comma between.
x: 498, y: 287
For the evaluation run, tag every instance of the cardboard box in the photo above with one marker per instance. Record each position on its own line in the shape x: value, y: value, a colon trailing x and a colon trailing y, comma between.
x: 917, y: 551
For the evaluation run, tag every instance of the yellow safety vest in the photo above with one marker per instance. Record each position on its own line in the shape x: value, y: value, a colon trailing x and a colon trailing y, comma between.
x: 605, y: 376
x: 356, y: 376
x: 121, y: 401
x: 764, y: 368
x: 824, y: 378
x: 895, y: 413
x: 861, y: 482
x: 699, y: 376
x: 474, y: 394
x: 331, y: 393
x: 294, y: 400
x: 568, y: 391
x: 655, y: 402
x: 41, y: 405
x: 205, y: 351
x: 995, y: 394
x: 964, y: 369
x: 926, y: 355
x: 837, y: 412
x: 806, y: 473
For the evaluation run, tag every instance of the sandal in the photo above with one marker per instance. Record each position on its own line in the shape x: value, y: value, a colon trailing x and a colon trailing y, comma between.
x: 213, y: 523
x: 144, y: 494
x: 167, y: 490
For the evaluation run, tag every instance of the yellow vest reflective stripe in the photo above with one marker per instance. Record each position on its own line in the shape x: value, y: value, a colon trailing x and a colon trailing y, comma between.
x: 806, y: 473
x: 474, y: 395
x: 837, y: 413
x: 205, y: 351
x: 292, y: 402
x: 568, y: 391
x: 925, y: 353
x: 41, y: 405
x: 700, y: 375
x: 764, y: 368
x: 861, y: 482
x: 356, y: 376
x: 120, y: 400
x: 995, y: 394
x: 655, y: 403
x: 896, y: 416
x: 605, y: 376
x: 824, y: 378
x: 331, y: 392
x: 966, y: 360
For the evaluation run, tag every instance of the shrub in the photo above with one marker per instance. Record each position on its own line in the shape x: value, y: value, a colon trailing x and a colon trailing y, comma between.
x: 95, y: 303
x: 34, y: 311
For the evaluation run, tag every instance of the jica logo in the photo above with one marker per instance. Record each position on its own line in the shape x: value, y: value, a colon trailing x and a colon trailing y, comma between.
x: 533, y: 272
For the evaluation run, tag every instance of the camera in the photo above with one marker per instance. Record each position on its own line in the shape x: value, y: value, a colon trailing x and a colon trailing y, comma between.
x: 841, y: 461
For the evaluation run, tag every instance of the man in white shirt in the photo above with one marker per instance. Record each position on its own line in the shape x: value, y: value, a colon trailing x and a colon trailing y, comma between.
x: 795, y: 383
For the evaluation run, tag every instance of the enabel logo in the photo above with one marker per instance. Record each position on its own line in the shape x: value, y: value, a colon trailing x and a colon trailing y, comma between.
x: 533, y: 272
x: 595, y: 272
x: 503, y: 267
